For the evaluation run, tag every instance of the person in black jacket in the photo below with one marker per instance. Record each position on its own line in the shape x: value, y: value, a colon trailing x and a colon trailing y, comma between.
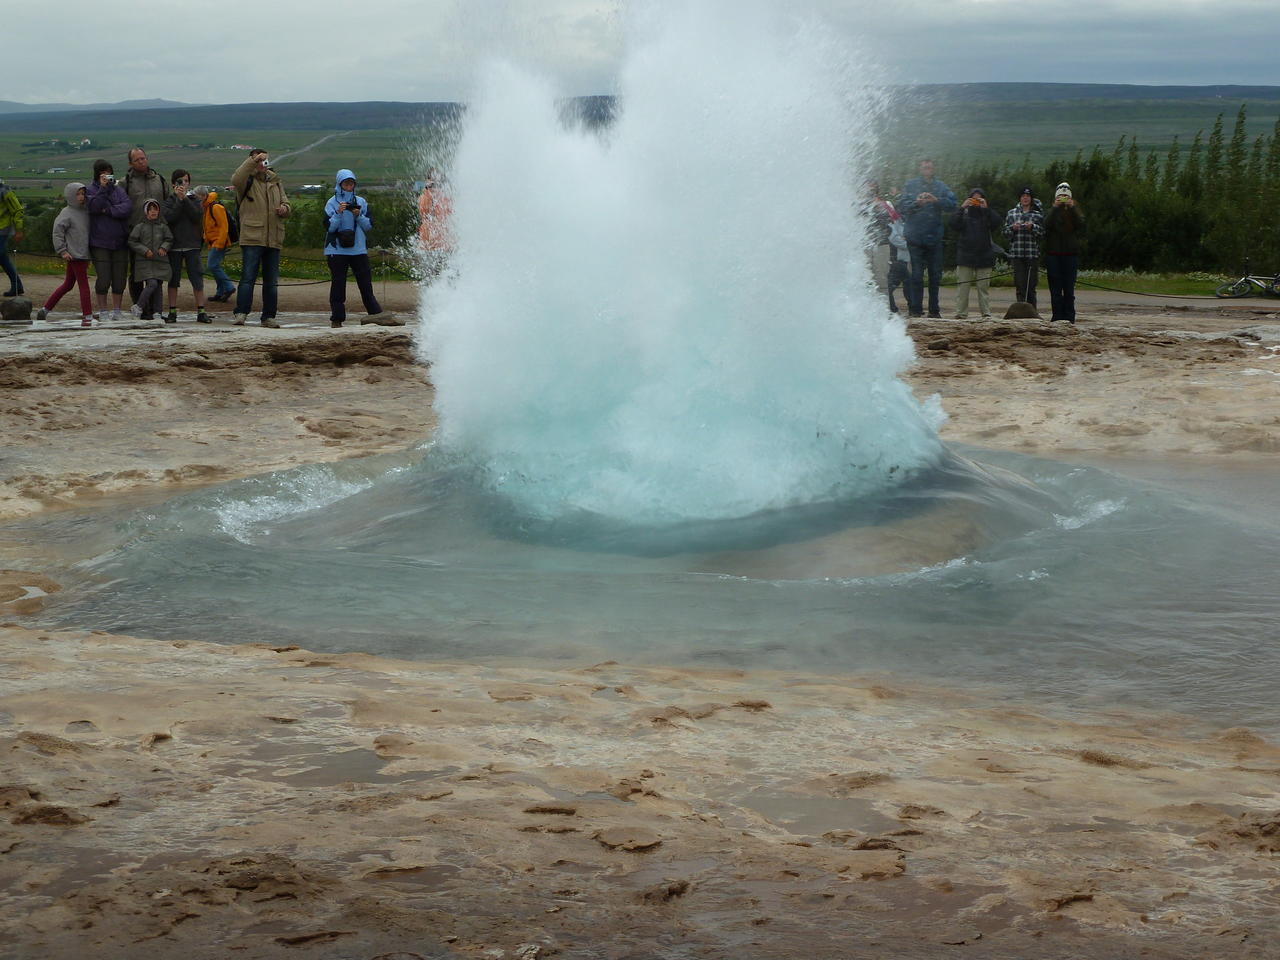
x: 1063, y: 227
x: 185, y: 216
x: 975, y: 252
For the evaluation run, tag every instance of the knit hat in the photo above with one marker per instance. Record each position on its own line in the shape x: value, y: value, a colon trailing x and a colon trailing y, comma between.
x: 977, y: 192
x: 101, y: 165
x: 1062, y: 192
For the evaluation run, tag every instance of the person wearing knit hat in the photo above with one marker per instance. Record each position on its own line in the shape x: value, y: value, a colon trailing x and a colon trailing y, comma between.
x: 1063, y: 227
x: 1024, y: 226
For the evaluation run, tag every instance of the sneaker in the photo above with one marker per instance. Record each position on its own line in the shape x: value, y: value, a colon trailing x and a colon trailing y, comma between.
x: 934, y: 315
x: 136, y: 311
x: 986, y: 317
x: 171, y: 316
x: 335, y: 323
x: 238, y: 319
x: 41, y: 315
x: 115, y: 316
x: 203, y: 317
x: 960, y: 316
x: 87, y: 321
x: 270, y: 322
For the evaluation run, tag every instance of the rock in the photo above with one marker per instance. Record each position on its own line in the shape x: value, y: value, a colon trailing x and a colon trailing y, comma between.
x: 49, y: 814
x: 628, y: 838
x: 916, y: 811
x: 15, y: 312
x: 940, y: 344
x: 960, y: 937
x: 665, y: 891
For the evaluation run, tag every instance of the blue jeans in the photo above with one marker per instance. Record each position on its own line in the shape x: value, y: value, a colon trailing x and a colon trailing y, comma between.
x: 924, y: 257
x: 1060, y: 270
x: 269, y: 259
x: 6, y: 263
x: 224, y: 284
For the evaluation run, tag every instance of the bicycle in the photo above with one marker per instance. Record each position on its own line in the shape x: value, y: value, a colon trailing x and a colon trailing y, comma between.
x: 1244, y: 286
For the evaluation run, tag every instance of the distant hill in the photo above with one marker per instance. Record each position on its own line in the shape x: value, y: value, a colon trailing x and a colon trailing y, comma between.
x: 158, y: 115
x: 373, y: 115
x: 1050, y: 92
x: 12, y: 106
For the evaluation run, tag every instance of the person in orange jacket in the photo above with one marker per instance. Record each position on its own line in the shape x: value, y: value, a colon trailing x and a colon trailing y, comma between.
x: 435, y: 232
x: 217, y: 234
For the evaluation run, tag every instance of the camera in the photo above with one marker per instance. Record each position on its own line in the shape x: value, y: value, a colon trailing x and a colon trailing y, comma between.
x: 111, y: 179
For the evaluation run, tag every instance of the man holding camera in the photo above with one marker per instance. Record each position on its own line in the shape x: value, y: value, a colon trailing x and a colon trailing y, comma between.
x: 141, y: 183
x: 262, y: 207
x: 923, y: 202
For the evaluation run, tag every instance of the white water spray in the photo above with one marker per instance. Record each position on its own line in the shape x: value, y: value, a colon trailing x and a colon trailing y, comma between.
x: 674, y: 321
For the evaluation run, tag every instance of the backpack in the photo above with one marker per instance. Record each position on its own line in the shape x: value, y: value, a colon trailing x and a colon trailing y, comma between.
x: 233, y: 224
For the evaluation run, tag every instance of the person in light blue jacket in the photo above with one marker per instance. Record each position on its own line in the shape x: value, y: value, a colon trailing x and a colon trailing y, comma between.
x: 345, y: 247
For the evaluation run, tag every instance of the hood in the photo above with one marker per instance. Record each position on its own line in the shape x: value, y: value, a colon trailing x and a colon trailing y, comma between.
x: 150, y: 203
x: 339, y: 177
x: 210, y: 197
x: 69, y: 193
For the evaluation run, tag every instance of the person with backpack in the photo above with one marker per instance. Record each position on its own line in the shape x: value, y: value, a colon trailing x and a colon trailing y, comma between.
x: 220, y: 231
x: 263, y: 207
x: 347, y: 222
x: 11, y: 223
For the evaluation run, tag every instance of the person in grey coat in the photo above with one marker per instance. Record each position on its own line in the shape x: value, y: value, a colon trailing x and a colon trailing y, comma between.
x: 71, y: 242
x: 150, y: 240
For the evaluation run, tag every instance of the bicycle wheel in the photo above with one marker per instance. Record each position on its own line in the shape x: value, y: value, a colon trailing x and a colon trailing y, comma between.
x: 1236, y: 288
x: 1274, y: 289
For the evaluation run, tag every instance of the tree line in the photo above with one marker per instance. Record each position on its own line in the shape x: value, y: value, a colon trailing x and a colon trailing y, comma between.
x: 1202, y: 206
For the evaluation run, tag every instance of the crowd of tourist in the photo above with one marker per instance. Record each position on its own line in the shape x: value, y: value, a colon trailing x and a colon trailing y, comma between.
x: 908, y: 234
x: 144, y: 232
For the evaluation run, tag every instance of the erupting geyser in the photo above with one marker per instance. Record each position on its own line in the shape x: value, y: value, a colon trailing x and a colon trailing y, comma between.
x: 672, y: 321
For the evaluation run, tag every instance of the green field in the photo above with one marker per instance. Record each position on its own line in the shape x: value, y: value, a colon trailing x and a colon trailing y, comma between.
x: 963, y: 126
x: 379, y: 157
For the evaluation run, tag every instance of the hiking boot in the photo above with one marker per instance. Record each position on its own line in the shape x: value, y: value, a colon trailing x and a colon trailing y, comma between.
x: 238, y: 319
x: 270, y: 322
x: 171, y: 317
x: 935, y: 315
x: 203, y: 317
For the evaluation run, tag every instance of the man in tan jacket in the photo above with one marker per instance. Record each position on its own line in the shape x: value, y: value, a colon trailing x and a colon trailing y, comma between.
x: 263, y: 207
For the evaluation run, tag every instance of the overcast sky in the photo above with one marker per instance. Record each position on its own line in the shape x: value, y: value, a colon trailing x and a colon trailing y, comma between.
x: 424, y: 49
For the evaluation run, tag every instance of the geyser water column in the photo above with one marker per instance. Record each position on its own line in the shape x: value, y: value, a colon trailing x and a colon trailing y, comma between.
x: 672, y: 320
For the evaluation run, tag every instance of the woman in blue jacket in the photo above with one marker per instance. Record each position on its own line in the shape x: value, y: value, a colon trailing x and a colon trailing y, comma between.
x: 347, y: 216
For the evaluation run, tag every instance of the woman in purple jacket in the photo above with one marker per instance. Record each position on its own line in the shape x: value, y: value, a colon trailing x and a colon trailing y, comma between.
x: 109, y: 209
